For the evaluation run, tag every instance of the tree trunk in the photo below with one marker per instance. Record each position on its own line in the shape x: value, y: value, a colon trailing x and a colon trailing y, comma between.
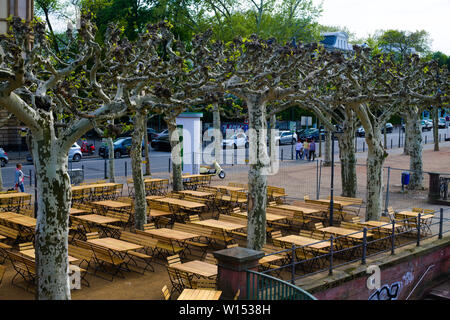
x: 140, y: 203
x: 54, y: 197
x: 327, y: 152
x: 415, y: 151
x: 146, y: 151
x: 257, y: 176
x: 177, y: 168
x: 375, y: 160
x: 409, y: 127
x: 217, y: 133
x: 348, y: 162
x: 112, y: 169
x: 436, y: 128
x: 1, y: 180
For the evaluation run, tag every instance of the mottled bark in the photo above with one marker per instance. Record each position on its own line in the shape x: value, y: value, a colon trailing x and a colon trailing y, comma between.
x: 112, y: 170
x: 257, y: 176
x: 54, y: 201
x: 140, y: 204
x: 327, y: 151
x: 177, y: 169
x: 375, y: 160
x: 348, y: 162
x: 408, y: 129
x: 435, y: 128
x: 415, y: 151
x: 146, y: 150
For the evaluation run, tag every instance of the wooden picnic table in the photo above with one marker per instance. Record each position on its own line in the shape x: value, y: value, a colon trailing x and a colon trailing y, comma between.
x: 153, y: 180
x: 270, y: 258
x: 75, y: 211
x: 269, y: 216
x: 32, y: 254
x: 19, y: 219
x: 112, y: 204
x: 220, y: 224
x: 343, y: 203
x: 351, y: 233
x: 297, y: 208
x: 199, y: 294
x: 2, y: 237
x: 116, y: 244
x: 96, y: 185
x: 413, y: 214
x: 11, y: 195
x: 172, y: 234
x: 182, y: 203
x: 305, y: 241
x: 195, y: 193
x: 385, y: 226
x: 189, y: 176
x: 199, y: 268
x: 98, y: 219
x: 228, y: 188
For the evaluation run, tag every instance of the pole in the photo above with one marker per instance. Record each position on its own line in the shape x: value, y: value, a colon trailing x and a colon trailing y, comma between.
x: 106, y: 171
x: 441, y: 221
x: 332, y: 179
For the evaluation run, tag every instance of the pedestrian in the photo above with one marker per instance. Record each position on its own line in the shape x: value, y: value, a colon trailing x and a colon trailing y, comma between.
x: 312, y: 150
x: 19, y: 177
x: 299, y: 150
x: 306, y: 149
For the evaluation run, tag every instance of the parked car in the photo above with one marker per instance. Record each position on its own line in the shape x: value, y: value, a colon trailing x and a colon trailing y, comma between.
x: 314, y: 133
x: 122, y: 146
x: 238, y: 140
x: 161, y: 141
x: 389, y: 128
x: 286, y: 137
x: 442, y: 124
x: 3, y: 158
x: 74, y: 155
x: 427, y: 125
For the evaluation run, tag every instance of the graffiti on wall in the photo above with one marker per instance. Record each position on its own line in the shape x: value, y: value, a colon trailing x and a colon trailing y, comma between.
x: 387, y: 292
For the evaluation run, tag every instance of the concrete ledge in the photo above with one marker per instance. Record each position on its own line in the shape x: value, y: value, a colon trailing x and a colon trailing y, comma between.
x: 322, y: 281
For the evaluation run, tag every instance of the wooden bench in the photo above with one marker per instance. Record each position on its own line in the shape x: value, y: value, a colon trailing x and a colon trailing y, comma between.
x: 276, y: 194
x: 24, y: 267
x: 9, y: 232
x: 82, y: 254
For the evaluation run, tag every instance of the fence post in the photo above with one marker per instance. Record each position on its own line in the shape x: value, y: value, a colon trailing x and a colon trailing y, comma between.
x: 169, y: 164
x: 393, y: 237
x: 386, y: 200
x: 364, y: 249
x: 126, y: 169
x: 441, y: 221
x: 292, y: 151
x: 418, y: 229
x: 35, y: 196
x: 82, y: 169
x: 425, y: 139
x: 330, y: 271
x: 391, y: 143
x: 364, y: 146
x: 30, y: 179
x: 281, y: 154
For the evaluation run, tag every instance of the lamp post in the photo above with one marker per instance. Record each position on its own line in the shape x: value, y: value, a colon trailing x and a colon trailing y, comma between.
x: 333, y: 134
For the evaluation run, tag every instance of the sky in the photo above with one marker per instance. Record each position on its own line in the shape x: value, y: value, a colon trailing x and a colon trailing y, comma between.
x: 364, y: 17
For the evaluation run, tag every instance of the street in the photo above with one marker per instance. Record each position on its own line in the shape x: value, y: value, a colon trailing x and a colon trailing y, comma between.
x: 94, y: 167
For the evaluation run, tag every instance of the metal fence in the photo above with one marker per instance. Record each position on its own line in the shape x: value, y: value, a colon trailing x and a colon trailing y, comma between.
x: 340, y: 255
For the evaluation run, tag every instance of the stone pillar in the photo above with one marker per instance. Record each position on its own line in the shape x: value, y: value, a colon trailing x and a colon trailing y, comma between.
x: 232, y: 264
x: 433, y: 192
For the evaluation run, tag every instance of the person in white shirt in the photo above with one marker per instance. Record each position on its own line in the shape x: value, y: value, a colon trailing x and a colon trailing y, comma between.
x: 299, y: 150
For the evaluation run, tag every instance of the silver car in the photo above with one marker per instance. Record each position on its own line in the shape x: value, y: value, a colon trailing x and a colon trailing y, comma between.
x: 286, y: 137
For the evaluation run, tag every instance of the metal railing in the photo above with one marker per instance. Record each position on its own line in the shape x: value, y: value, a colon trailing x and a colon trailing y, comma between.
x: 264, y: 287
x: 403, y: 232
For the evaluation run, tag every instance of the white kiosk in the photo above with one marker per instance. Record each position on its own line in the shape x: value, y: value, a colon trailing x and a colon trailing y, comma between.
x: 191, y: 150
